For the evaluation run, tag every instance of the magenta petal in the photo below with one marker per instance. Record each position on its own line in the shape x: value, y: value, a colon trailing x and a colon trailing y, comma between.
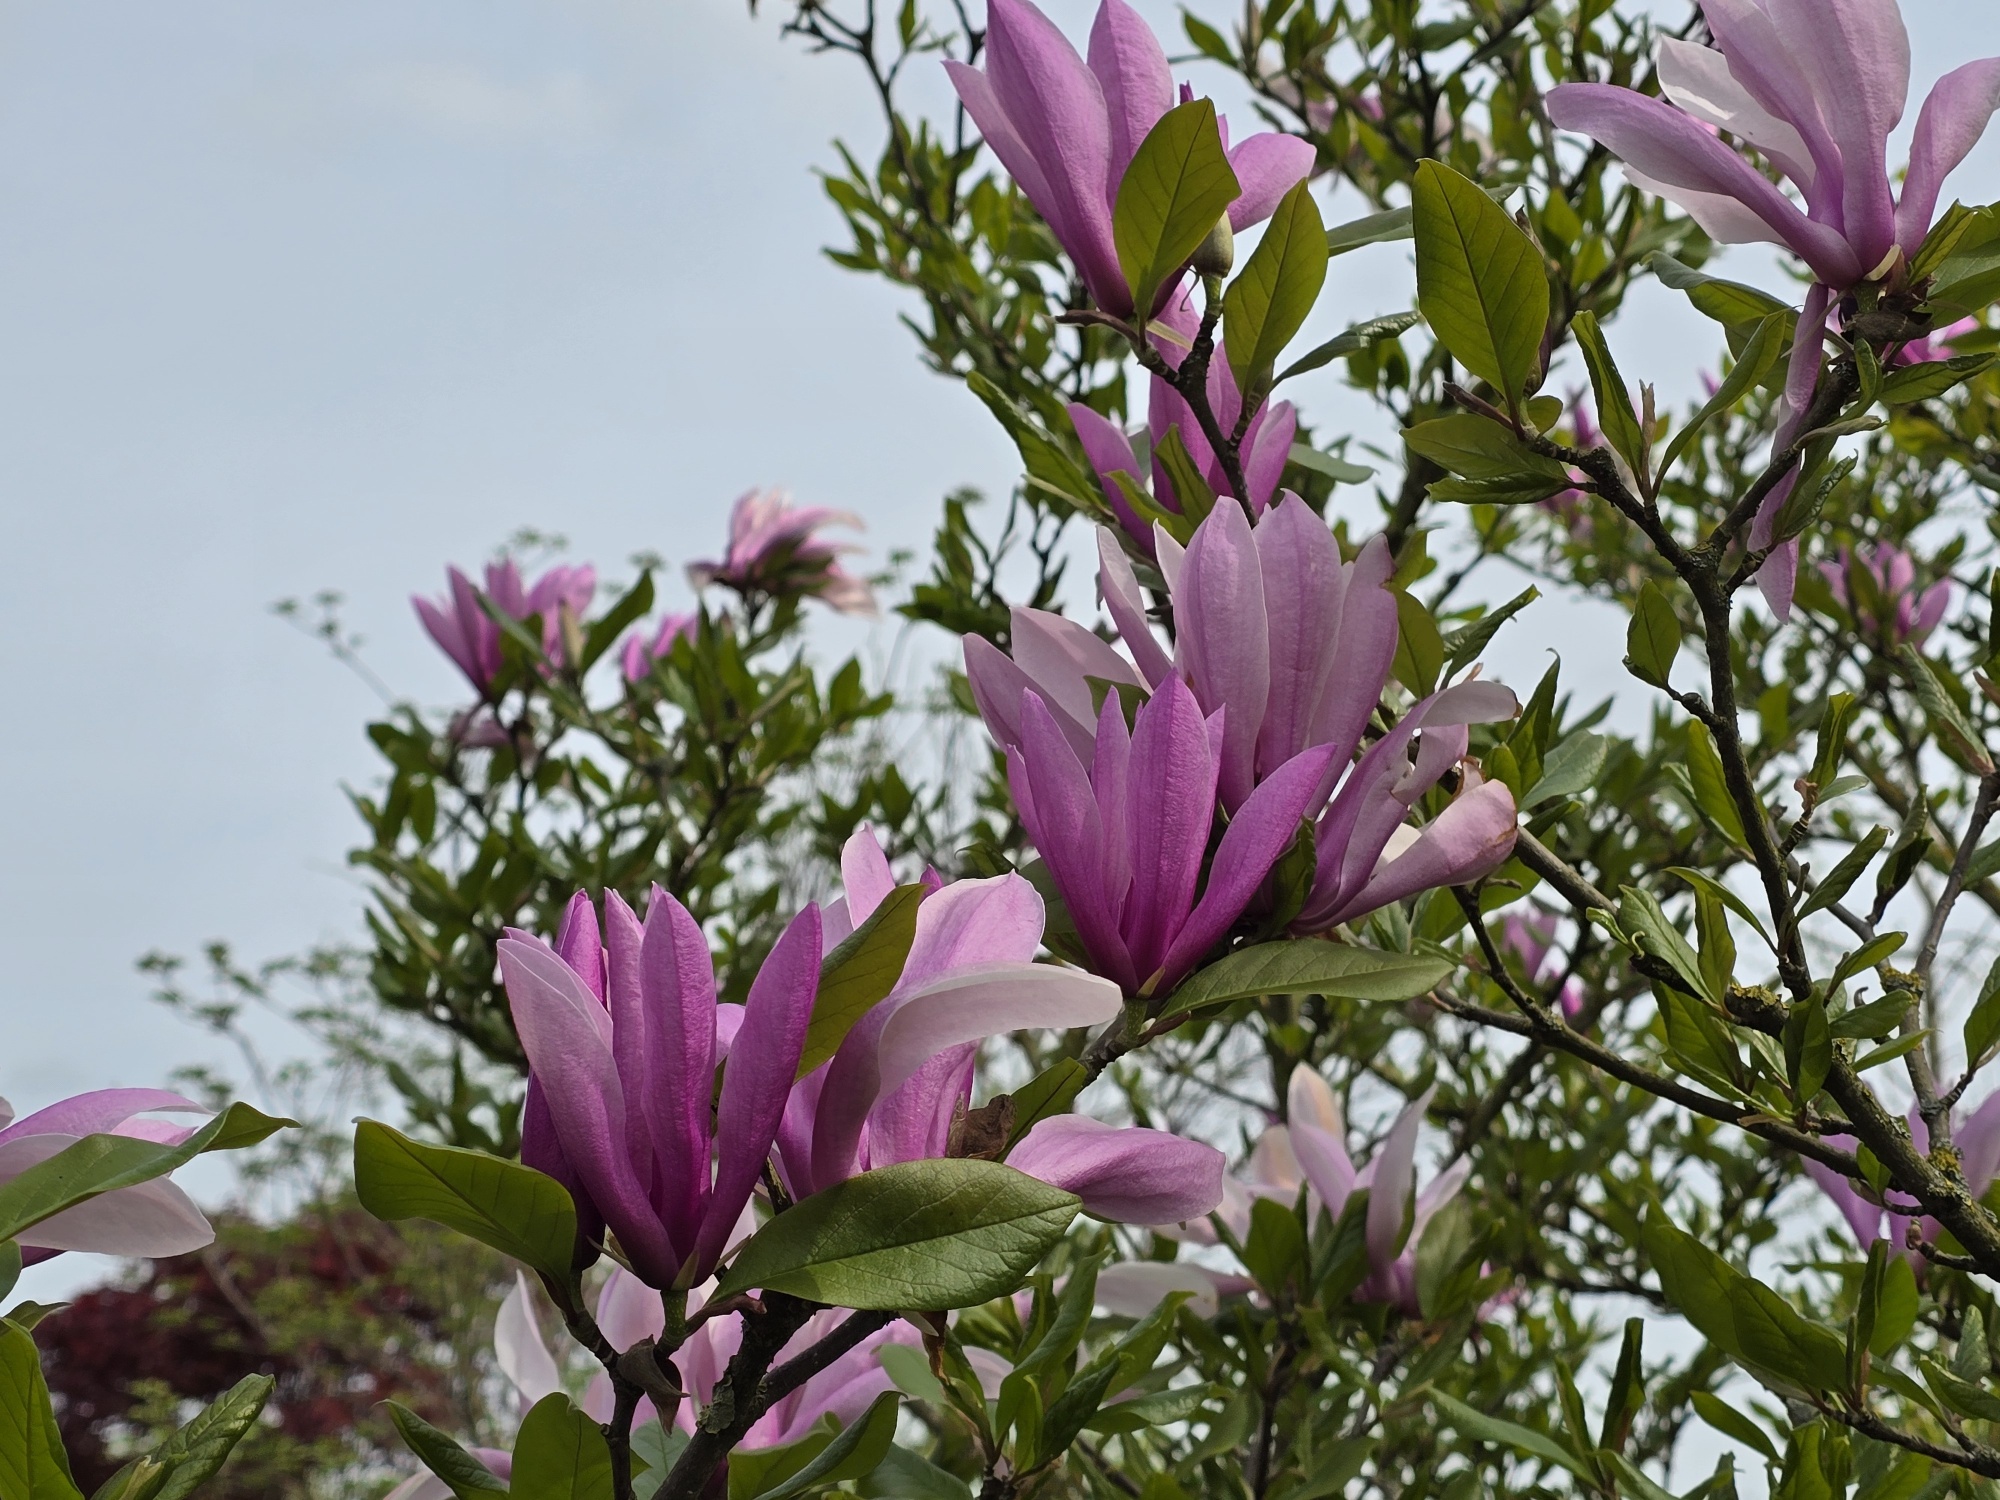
x: 1950, y: 124
x: 1118, y: 585
x: 1267, y: 448
x: 997, y: 686
x: 1057, y: 106
x: 864, y: 874
x: 1132, y: 70
x: 678, y: 983
x: 1365, y: 650
x: 1468, y: 840
x: 1059, y: 808
x: 1170, y: 809
x: 1257, y: 837
x: 1392, y: 1183
x: 1223, y: 644
x: 580, y: 944
x: 1110, y: 452
x: 1305, y: 589
x: 1672, y: 150
x: 99, y: 1110
x: 759, y: 1077
x: 153, y: 1219
x: 1061, y: 656
x: 1131, y: 1175
x: 1267, y: 166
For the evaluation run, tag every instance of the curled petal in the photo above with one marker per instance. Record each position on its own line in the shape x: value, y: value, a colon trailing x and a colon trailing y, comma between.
x: 1468, y: 840
x: 1131, y: 1175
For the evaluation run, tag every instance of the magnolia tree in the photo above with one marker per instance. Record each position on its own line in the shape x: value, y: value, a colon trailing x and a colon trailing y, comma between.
x: 1227, y: 1042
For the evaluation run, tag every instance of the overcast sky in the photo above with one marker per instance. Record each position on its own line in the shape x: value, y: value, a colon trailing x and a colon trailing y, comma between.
x: 296, y: 297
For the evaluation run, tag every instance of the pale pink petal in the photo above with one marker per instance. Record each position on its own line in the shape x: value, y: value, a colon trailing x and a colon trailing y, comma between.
x: 1267, y: 166
x: 1950, y: 124
x: 518, y: 1348
x: 1130, y: 1175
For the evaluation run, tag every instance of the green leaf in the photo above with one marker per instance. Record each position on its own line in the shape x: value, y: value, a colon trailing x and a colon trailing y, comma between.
x: 1831, y: 744
x: 1867, y: 956
x: 1480, y: 281
x: 465, y: 1476
x: 1480, y: 448
x: 33, y: 1465
x: 1653, y: 638
x: 1523, y: 489
x: 1982, y: 1022
x: 918, y: 1235
x: 1726, y: 896
x: 1374, y: 229
x: 1641, y: 915
x: 1310, y: 966
x: 1571, y: 766
x: 514, y: 1209
x: 1478, y: 1426
x: 1962, y: 1396
x: 1913, y: 839
x: 1840, y: 879
x: 911, y: 1372
x: 1896, y: 1311
x: 1351, y: 341
x: 1468, y: 640
x: 1888, y: 1052
x: 1419, y: 648
x: 1711, y: 787
x: 1730, y: 303
x: 1928, y: 381
x: 1048, y: 466
x: 1614, y: 401
x: 1268, y: 302
x: 100, y: 1164
x: 1339, y: 470
x: 10, y: 1267
x: 1190, y: 488
x: 859, y: 973
x: 1759, y: 357
x: 855, y: 1451
x: 903, y: 1475
x: 196, y: 1452
x: 1275, y: 1249
x: 1734, y: 1422
x: 1178, y: 185
x: 633, y: 605
x: 1742, y: 1317
x: 560, y: 1454
x: 1050, y: 1092
x: 1956, y: 735
x: 1876, y: 1019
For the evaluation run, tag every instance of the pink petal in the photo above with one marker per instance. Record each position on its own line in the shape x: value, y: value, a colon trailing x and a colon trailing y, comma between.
x: 1132, y: 1175
x: 1327, y: 1166
x: 997, y: 685
x: 1310, y: 1101
x: 864, y: 874
x: 1468, y: 840
x: 1950, y: 124
x: 1118, y: 586
x: 1058, y: 807
x: 1060, y: 656
x: 759, y: 1077
x: 1133, y: 1288
x: 1223, y: 644
x: 518, y: 1348
x: 1392, y: 1182
x: 971, y: 923
x: 98, y: 1111
x: 1672, y: 150
x: 1268, y: 166
x: 153, y: 1219
x: 1362, y: 653
x: 1267, y: 448
x: 1170, y: 809
x: 1304, y: 591
x: 1698, y: 80
x: 677, y: 978
x: 988, y: 1001
x: 580, y: 944
x: 1109, y: 452
x: 1132, y: 70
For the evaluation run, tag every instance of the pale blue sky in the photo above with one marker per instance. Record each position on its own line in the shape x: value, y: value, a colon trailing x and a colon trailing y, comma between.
x: 305, y: 296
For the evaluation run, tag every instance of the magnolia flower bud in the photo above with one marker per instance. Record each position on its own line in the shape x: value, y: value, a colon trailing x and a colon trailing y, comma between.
x: 1218, y: 252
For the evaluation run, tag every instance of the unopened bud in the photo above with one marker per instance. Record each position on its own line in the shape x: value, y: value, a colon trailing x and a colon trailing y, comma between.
x: 1218, y: 252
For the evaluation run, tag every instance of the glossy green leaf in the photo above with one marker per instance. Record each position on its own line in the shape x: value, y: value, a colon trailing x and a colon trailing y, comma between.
x: 918, y: 1235
x: 1728, y: 302
x: 560, y: 1455
x: 1615, y: 414
x: 1351, y: 341
x: 1178, y: 185
x: 854, y: 1451
x: 1732, y: 1421
x: 1480, y: 281
x: 858, y: 974
x: 1478, y: 1426
x: 1374, y: 229
x: 1653, y: 639
x: 514, y: 1209
x: 33, y: 1465
x: 1419, y: 648
x: 465, y: 1476
x: 1480, y: 448
x: 1711, y: 786
x: 196, y: 1452
x: 1982, y: 1022
x: 1571, y: 766
x: 1268, y: 301
x: 1840, y: 879
x: 1311, y: 967
x: 100, y: 1164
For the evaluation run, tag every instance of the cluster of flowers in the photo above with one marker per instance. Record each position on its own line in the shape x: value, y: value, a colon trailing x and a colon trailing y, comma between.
x: 775, y: 549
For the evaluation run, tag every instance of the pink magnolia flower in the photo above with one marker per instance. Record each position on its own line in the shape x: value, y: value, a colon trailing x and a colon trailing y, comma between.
x: 471, y: 637
x: 1530, y: 937
x: 623, y: 1038
x: 1978, y: 1143
x: 639, y: 654
x: 1816, y: 87
x: 1267, y: 441
x: 1318, y: 1139
x: 774, y: 549
x: 1882, y: 595
x: 905, y: 1072
x: 151, y: 1219
x: 1286, y: 650
x: 1066, y: 129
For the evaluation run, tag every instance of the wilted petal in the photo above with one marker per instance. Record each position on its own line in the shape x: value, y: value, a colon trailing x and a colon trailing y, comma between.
x: 518, y: 1348
x: 1950, y: 124
x: 1130, y: 1175
x: 759, y: 1077
x: 1267, y: 166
